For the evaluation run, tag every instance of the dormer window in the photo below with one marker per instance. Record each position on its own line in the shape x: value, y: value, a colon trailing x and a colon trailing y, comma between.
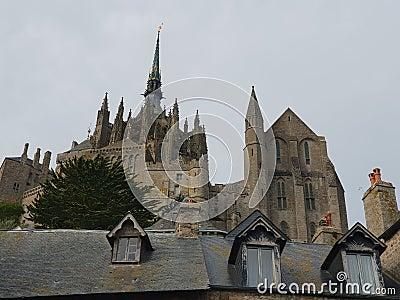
x: 129, y: 241
x: 256, y: 249
x: 357, y: 253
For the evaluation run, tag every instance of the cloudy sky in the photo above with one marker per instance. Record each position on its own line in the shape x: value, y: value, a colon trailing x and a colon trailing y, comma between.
x: 335, y: 63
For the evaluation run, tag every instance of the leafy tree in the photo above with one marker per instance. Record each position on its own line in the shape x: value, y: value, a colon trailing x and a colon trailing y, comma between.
x: 9, y: 215
x: 88, y: 194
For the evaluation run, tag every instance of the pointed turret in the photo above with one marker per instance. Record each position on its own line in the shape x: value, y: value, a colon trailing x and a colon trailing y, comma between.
x: 118, y: 127
x: 175, y: 112
x: 197, y: 121
x: 154, y: 81
x: 254, y: 139
x: 253, y: 116
x: 186, y: 126
x: 102, y: 132
x: 104, y: 105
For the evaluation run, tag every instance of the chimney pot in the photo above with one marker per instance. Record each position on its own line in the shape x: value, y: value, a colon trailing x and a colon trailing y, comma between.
x: 377, y: 174
x: 372, y: 178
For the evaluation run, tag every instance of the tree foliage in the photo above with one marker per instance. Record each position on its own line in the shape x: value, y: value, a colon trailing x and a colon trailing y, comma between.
x: 88, y: 194
x: 9, y: 215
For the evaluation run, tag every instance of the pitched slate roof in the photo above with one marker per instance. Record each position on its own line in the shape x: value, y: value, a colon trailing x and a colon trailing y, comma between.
x: 73, y: 262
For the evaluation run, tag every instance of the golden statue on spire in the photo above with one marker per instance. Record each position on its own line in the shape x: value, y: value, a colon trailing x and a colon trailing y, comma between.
x: 159, y: 27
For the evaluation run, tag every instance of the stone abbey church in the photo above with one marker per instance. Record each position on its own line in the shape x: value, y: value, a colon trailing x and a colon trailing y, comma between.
x: 305, y: 186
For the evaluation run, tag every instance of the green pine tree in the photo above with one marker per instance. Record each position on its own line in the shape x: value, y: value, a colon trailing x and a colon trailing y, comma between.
x: 88, y: 194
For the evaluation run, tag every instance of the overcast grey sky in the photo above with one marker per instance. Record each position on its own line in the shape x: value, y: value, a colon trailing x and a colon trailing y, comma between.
x: 335, y: 63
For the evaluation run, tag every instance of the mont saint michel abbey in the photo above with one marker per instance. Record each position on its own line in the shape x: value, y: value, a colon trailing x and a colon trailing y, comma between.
x: 305, y: 186
x: 295, y: 234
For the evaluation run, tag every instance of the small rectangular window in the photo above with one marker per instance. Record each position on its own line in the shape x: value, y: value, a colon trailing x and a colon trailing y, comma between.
x: 179, y: 176
x: 361, y: 270
x: 259, y: 265
x: 127, y: 249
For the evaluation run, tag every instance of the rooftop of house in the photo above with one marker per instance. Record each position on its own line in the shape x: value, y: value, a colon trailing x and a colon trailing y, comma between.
x: 75, y: 262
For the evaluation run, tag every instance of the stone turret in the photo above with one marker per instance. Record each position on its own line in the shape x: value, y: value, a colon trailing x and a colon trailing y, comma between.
x: 46, y: 164
x: 380, y: 205
x: 36, y: 159
x: 117, y: 132
x: 254, y: 133
x: 186, y: 126
x: 175, y: 112
x: 102, y: 132
x: 24, y: 155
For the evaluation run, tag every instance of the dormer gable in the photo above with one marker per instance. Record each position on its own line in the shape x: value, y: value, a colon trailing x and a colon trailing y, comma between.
x: 357, y: 254
x: 257, y: 245
x: 129, y: 241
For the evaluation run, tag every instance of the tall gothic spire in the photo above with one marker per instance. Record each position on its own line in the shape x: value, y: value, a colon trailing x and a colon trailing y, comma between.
x: 154, y: 81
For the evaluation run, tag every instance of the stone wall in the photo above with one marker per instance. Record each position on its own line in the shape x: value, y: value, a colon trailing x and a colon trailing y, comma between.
x: 390, y: 258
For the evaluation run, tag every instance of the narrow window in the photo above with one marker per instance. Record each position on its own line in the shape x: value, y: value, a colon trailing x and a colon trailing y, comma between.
x: 309, y: 196
x: 251, y: 152
x: 278, y: 152
x: 259, y: 265
x: 307, y: 153
x: 361, y: 270
x: 127, y: 249
x: 281, y: 192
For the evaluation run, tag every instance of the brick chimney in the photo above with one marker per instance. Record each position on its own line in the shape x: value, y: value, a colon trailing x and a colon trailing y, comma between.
x: 380, y: 205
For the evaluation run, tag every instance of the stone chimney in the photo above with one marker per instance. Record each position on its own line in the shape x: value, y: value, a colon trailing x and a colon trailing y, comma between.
x: 326, y: 233
x: 186, y: 225
x: 36, y: 159
x: 24, y: 155
x: 380, y: 205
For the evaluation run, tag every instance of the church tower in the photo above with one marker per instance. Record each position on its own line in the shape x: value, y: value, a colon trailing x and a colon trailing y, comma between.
x: 254, y: 139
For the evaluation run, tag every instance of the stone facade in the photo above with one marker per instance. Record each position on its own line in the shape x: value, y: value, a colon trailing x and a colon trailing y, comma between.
x: 20, y: 174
